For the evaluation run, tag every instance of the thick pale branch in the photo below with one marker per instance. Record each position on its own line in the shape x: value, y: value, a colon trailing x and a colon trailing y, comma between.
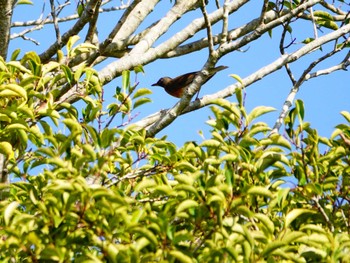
x: 129, y: 23
x: 271, y: 20
x: 263, y: 28
x: 136, y: 58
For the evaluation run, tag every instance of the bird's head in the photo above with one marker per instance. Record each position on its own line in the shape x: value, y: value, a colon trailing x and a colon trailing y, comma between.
x: 162, y: 82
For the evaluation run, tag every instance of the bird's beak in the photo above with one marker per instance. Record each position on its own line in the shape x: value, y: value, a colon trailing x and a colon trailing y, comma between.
x: 155, y: 84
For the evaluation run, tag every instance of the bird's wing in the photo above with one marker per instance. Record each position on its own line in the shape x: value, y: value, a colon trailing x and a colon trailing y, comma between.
x: 185, y: 79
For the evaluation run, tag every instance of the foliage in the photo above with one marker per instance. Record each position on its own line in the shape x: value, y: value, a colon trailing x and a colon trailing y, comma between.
x: 115, y: 195
x: 84, y: 189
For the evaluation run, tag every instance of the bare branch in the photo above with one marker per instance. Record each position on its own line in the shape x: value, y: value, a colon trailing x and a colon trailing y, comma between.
x: 263, y: 12
x: 91, y: 35
x: 224, y: 32
x: 85, y: 18
x: 150, y: 54
x: 41, y: 21
x: 55, y: 22
x: 209, y: 30
x: 25, y: 32
x: 313, y: 22
x: 282, y: 51
x: 304, y: 77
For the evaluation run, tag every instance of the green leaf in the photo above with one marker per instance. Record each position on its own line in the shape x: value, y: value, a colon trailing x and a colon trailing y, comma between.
x: 144, y: 232
x: 308, y: 40
x: 258, y: 111
x: 239, y: 96
x: 141, y: 101
x: 15, y: 126
x: 18, y: 90
x: 138, y: 69
x: 15, y: 54
x: 299, y: 105
x: 185, y: 166
x: 187, y: 204
x: 9, y: 211
x: 268, y: 159
x: 142, y: 92
x: 24, y: 2
x: 19, y: 66
x: 265, y: 220
x: 295, y: 213
x: 71, y: 42
x: 290, y: 237
x: 259, y: 190
x: 323, y: 14
x: 328, y: 24
x: 145, y: 184
x: 68, y: 73
x: 6, y: 149
x: 181, y: 257
x: 276, y: 139
x: 210, y: 143
x: 272, y: 246
x: 238, y: 78
x: 80, y: 9
x: 346, y: 115
x: 126, y: 80
x: 78, y: 72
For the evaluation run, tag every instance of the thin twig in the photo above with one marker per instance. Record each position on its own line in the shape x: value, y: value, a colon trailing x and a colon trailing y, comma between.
x: 91, y: 35
x: 64, y: 19
x: 290, y: 98
x: 55, y: 22
x: 282, y: 51
x: 320, y: 208
x: 209, y: 29
x: 224, y: 33
x: 313, y: 22
x: 263, y: 12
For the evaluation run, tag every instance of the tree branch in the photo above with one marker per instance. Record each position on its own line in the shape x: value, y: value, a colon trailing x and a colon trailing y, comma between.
x: 149, y: 54
x: 79, y: 25
x: 6, y: 9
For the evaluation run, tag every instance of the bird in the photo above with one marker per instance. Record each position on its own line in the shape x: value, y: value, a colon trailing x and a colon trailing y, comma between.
x: 177, y: 86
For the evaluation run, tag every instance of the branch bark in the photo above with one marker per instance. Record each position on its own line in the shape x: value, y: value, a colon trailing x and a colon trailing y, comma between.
x: 6, y: 10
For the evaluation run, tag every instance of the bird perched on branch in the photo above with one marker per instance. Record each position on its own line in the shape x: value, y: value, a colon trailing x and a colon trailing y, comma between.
x: 177, y: 86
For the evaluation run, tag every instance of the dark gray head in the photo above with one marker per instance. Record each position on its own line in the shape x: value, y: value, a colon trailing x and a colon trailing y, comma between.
x: 162, y: 82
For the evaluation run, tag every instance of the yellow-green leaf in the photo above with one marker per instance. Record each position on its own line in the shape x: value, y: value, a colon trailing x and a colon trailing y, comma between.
x: 6, y: 149
x: 187, y: 204
x: 292, y: 215
x: 181, y: 257
x: 9, y: 211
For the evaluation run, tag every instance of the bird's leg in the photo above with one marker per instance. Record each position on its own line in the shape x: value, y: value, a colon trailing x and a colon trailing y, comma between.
x: 197, y: 95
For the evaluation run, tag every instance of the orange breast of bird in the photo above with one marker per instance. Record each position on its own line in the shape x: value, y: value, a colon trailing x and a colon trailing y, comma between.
x: 175, y: 91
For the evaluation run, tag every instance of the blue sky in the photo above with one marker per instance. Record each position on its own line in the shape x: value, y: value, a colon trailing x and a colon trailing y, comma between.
x: 323, y: 97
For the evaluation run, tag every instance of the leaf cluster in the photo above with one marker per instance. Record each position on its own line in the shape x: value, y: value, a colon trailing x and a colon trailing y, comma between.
x: 93, y: 194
